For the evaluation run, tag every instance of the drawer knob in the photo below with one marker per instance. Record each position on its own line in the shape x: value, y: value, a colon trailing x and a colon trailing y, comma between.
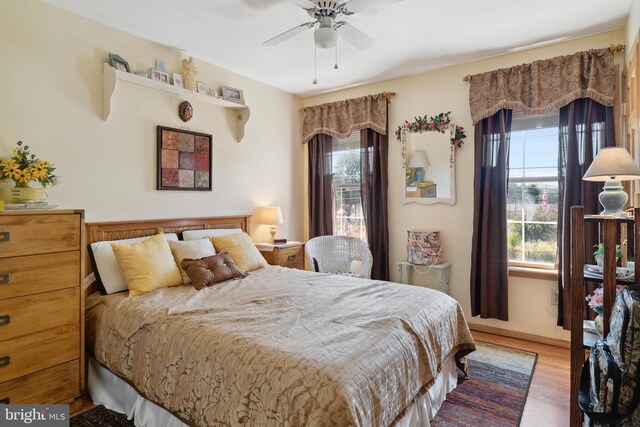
x: 5, y: 320
x: 292, y: 257
x: 5, y: 401
x: 5, y: 361
x: 5, y: 278
x: 5, y: 236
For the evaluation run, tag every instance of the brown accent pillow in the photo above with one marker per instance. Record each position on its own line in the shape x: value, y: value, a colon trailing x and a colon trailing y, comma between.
x: 212, y: 269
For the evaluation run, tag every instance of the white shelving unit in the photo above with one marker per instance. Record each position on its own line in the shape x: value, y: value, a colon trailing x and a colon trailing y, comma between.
x: 111, y: 77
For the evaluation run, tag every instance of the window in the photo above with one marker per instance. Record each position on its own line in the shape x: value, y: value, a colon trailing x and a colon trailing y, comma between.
x: 532, y: 194
x: 349, y: 218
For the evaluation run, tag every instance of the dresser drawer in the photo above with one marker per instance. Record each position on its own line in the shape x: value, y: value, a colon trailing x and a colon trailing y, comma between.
x: 291, y: 257
x: 32, y: 353
x: 34, y: 313
x: 52, y: 385
x: 38, y: 273
x: 38, y: 234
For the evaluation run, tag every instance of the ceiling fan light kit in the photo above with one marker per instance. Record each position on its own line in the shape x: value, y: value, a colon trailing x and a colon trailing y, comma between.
x: 326, y: 26
x: 325, y: 37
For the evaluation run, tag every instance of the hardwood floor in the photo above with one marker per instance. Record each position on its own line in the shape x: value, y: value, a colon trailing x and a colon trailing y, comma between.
x: 548, y: 400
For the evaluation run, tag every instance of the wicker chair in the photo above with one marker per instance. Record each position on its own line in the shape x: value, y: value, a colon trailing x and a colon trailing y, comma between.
x: 336, y: 254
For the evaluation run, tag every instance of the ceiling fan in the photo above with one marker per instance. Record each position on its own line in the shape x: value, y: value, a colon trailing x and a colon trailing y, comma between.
x: 328, y: 24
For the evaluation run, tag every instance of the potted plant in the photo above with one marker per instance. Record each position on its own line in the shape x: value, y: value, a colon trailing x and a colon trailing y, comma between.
x: 23, y: 168
x: 599, y: 254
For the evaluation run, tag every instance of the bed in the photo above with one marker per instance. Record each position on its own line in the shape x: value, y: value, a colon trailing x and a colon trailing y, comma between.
x: 279, y: 347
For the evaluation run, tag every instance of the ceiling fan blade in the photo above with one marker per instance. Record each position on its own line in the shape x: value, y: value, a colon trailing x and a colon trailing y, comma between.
x: 288, y: 34
x: 305, y: 4
x: 362, y: 5
x: 356, y: 37
x: 261, y: 4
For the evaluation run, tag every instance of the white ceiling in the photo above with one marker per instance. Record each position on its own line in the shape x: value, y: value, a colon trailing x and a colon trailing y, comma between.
x: 411, y: 35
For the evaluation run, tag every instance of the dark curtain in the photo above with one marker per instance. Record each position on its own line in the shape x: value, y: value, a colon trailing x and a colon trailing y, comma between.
x: 320, y: 186
x: 585, y: 127
x: 374, y: 160
x: 489, y: 256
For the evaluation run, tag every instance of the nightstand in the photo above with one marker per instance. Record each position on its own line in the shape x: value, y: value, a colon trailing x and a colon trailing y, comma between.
x: 289, y: 255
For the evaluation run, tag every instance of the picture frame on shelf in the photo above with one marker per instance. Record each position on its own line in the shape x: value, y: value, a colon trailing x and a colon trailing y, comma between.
x: 232, y: 94
x: 177, y: 80
x: 212, y: 92
x: 118, y: 62
x: 202, y: 87
x: 160, y: 65
x: 154, y: 74
x: 164, y: 77
x: 157, y: 75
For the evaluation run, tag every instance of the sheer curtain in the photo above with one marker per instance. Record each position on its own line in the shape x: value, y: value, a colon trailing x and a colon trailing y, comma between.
x: 320, y: 186
x: 585, y: 127
x: 489, y: 256
x: 374, y: 162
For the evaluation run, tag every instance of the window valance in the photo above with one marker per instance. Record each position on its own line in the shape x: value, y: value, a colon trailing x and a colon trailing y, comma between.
x: 340, y: 119
x: 544, y: 86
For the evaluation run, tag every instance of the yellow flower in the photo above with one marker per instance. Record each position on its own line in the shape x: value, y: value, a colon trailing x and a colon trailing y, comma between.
x: 44, y: 163
x: 37, y: 171
x: 22, y: 175
x: 10, y: 167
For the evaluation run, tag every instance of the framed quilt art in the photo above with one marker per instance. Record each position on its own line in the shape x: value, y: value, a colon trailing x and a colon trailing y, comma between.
x: 184, y: 160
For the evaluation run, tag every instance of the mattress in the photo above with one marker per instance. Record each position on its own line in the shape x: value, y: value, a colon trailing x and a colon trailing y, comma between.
x: 281, y: 346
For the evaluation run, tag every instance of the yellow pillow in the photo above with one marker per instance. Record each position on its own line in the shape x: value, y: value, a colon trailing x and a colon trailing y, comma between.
x: 242, y: 249
x: 147, y: 265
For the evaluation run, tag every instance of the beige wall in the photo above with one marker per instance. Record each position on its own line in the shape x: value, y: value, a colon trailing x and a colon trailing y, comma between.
x: 443, y: 90
x: 633, y: 23
x: 51, y: 98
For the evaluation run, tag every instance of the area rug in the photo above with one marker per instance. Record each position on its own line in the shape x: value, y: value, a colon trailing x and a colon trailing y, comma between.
x: 494, y: 396
x: 100, y: 416
x: 496, y: 392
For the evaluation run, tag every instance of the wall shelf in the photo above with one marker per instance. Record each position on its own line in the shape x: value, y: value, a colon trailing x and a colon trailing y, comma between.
x: 111, y: 77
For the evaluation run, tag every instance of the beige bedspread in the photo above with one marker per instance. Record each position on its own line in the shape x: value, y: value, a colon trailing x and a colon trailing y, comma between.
x: 281, y: 347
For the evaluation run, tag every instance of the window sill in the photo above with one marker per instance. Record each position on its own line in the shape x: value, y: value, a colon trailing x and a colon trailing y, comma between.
x: 533, y: 273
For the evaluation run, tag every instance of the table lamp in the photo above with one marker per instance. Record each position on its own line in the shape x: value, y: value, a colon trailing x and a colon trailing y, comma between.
x: 612, y: 165
x: 271, y: 215
x: 418, y: 162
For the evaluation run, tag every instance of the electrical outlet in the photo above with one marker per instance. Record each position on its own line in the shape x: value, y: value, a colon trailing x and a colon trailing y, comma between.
x: 554, y: 297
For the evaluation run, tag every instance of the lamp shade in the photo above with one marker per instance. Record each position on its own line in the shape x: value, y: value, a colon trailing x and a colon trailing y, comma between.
x: 418, y: 160
x: 612, y: 163
x: 270, y: 215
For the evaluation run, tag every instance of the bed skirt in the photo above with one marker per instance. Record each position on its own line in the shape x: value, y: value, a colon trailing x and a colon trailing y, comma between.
x: 113, y: 393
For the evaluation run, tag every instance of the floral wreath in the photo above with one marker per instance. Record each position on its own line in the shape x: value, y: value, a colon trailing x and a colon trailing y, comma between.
x: 439, y: 123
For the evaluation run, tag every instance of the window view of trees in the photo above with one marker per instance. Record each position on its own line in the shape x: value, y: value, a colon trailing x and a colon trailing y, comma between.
x: 532, y: 195
x: 349, y: 219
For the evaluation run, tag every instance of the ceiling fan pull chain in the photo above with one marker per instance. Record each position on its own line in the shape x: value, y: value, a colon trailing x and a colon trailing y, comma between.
x: 315, y: 65
x: 335, y: 67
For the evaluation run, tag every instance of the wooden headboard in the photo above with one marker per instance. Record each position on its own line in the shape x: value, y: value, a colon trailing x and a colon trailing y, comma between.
x: 100, y: 231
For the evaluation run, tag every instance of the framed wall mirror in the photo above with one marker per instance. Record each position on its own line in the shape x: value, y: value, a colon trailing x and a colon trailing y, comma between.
x: 428, y: 167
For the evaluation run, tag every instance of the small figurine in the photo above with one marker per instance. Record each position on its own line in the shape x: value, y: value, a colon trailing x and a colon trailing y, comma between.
x: 190, y: 71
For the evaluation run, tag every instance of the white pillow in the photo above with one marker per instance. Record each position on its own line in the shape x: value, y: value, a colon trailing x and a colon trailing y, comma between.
x: 109, y: 276
x: 210, y: 232
x: 194, y: 249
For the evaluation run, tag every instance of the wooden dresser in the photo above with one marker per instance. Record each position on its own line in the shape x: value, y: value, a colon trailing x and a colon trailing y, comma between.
x: 41, y: 307
x: 288, y: 255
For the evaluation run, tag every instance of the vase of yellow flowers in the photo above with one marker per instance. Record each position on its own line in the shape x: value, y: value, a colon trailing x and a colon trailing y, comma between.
x: 28, y: 173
